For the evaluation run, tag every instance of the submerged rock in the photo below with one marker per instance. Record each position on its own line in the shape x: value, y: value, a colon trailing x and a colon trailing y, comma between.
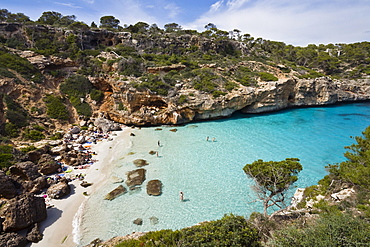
x: 140, y: 162
x: 115, y: 193
x: 138, y: 221
x: 153, y: 220
x: 154, y: 187
x: 135, y: 177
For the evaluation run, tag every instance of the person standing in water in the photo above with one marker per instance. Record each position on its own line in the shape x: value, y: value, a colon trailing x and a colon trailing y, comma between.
x: 181, y: 196
x: 159, y: 143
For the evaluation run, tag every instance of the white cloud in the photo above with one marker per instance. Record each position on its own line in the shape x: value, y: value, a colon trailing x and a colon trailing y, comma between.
x: 89, y: 1
x: 216, y: 6
x: 235, y: 4
x: 172, y: 10
x: 296, y: 22
x: 70, y: 5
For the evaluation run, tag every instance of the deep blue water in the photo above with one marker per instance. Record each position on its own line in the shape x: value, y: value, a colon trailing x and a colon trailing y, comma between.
x: 210, y: 172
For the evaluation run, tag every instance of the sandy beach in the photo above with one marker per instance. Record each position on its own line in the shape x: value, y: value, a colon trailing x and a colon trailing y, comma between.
x: 58, y: 227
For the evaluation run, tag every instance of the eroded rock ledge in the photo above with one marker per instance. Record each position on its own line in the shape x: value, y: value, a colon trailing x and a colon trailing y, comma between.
x: 144, y: 108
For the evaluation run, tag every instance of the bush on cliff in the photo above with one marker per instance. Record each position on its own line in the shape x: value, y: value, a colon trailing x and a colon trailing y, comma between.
x: 6, y: 156
x: 55, y: 108
x: 229, y: 231
x: 329, y: 230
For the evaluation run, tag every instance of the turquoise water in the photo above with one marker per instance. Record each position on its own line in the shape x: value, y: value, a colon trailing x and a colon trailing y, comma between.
x: 210, y: 172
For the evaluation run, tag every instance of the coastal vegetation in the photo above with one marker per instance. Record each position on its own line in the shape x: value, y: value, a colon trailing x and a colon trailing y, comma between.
x: 273, y: 180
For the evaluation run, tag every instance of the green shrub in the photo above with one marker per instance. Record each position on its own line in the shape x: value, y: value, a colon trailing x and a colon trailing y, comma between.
x: 6, y: 155
x: 328, y: 230
x: 16, y: 114
x: 82, y: 108
x: 19, y: 64
x: 76, y: 86
x: 11, y: 130
x: 96, y: 95
x: 229, y: 231
x: 33, y: 135
x: 130, y: 67
x: 182, y: 99
x: 5, y: 73
x: 57, y: 136
x: 267, y: 76
x: 55, y: 108
x: 218, y: 93
x: 28, y: 149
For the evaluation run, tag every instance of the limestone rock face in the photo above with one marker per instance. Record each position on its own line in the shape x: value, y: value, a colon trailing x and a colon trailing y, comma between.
x: 135, y: 177
x: 154, y: 187
x: 23, y: 211
x: 12, y: 239
x: 7, y: 187
x: 59, y: 190
x: 48, y: 165
x: 146, y: 108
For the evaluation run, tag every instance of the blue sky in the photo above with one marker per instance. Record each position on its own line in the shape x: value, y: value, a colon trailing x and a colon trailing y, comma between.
x: 297, y: 22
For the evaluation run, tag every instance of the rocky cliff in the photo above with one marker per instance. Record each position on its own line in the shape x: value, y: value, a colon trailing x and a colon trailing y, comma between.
x: 145, y: 108
x: 186, y: 98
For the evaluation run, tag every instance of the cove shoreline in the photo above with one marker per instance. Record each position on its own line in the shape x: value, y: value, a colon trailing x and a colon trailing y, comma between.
x: 61, y: 227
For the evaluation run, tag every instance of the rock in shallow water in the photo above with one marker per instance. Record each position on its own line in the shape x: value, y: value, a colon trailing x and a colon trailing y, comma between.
x: 135, y: 177
x: 115, y: 193
x: 154, y: 187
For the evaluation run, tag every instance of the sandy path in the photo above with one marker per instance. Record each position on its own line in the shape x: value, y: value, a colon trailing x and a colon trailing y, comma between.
x: 58, y: 228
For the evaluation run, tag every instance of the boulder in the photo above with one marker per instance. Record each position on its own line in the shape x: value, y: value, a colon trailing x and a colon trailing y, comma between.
x: 106, y: 125
x: 140, y: 162
x: 35, y: 155
x: 33, y: 234
x: 135, y: 177
x: 59, y: 190
x: 12, y: 239
x: 73, y: 158
x: 138, y: 221
x: 74, y: 130
x: 59, y: 149
x: 36, y: 185
x: 48, y: 165
x: 7, y: 187
x: 86, y: 184
x: 343, y: 194
x: 25, y: 170
x: 115, y: 193
x: 154, y: 187
x: 23, y: 211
